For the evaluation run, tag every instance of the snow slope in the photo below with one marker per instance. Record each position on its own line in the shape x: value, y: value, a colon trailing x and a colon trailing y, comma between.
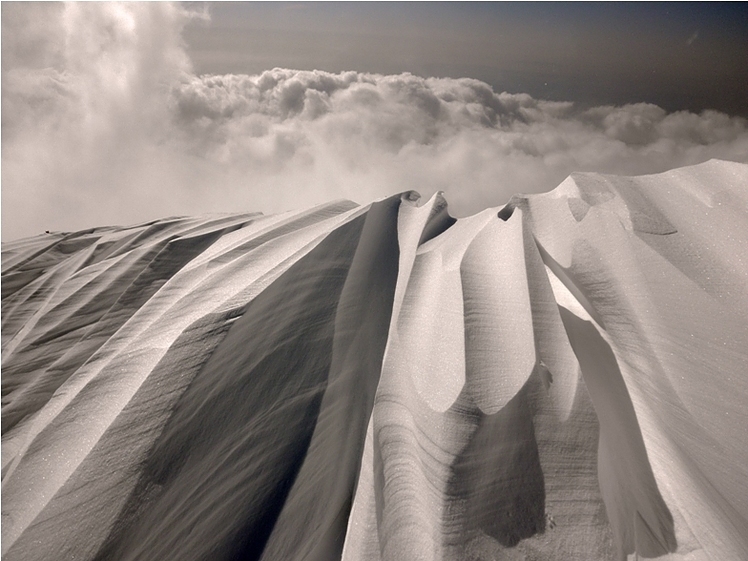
x: 564, y: 377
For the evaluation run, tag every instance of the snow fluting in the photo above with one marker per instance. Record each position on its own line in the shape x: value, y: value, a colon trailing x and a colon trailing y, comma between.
x: 562, y: 377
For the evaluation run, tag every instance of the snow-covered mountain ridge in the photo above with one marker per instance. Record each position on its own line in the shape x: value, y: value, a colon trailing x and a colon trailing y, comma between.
x: 562, y: 377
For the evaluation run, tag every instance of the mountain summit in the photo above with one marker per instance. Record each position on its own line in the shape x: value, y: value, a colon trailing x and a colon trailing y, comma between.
x: 563, y: 377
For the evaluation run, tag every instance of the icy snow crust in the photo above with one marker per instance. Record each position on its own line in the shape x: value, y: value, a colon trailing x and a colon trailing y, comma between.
x: 565, y: 377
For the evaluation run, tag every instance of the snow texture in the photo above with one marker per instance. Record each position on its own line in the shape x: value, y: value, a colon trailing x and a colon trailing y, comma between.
x: 563, y: 377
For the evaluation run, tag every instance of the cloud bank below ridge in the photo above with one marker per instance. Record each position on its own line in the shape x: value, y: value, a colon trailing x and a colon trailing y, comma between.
x: 137, y: 135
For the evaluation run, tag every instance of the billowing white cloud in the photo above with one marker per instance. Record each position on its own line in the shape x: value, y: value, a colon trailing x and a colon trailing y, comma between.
x: 85, y: 92
x: 104, y: 122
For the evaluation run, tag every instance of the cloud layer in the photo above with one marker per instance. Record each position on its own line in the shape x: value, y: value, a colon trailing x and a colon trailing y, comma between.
x: 105, y: 122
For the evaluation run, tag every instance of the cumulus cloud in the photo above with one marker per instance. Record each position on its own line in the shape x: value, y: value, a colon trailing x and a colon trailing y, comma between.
x: 85, y: 92
x: 104, y: 122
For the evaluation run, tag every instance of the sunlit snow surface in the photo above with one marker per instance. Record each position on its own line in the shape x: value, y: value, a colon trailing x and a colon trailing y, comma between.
x: 565, y: 377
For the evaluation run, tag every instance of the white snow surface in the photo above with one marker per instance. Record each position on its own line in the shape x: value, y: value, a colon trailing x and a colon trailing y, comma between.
x: 564, y: 377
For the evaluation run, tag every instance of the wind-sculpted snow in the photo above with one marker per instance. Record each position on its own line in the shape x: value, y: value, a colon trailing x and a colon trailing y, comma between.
x: 564, y: 377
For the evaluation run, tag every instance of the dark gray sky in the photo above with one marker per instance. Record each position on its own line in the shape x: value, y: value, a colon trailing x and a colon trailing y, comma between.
x: 690, y: 56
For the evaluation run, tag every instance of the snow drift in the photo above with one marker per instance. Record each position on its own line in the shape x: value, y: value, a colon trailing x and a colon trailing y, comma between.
x: 563, y: 377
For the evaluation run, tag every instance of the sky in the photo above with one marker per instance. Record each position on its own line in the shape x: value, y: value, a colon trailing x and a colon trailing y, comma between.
x: 121, y: 113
